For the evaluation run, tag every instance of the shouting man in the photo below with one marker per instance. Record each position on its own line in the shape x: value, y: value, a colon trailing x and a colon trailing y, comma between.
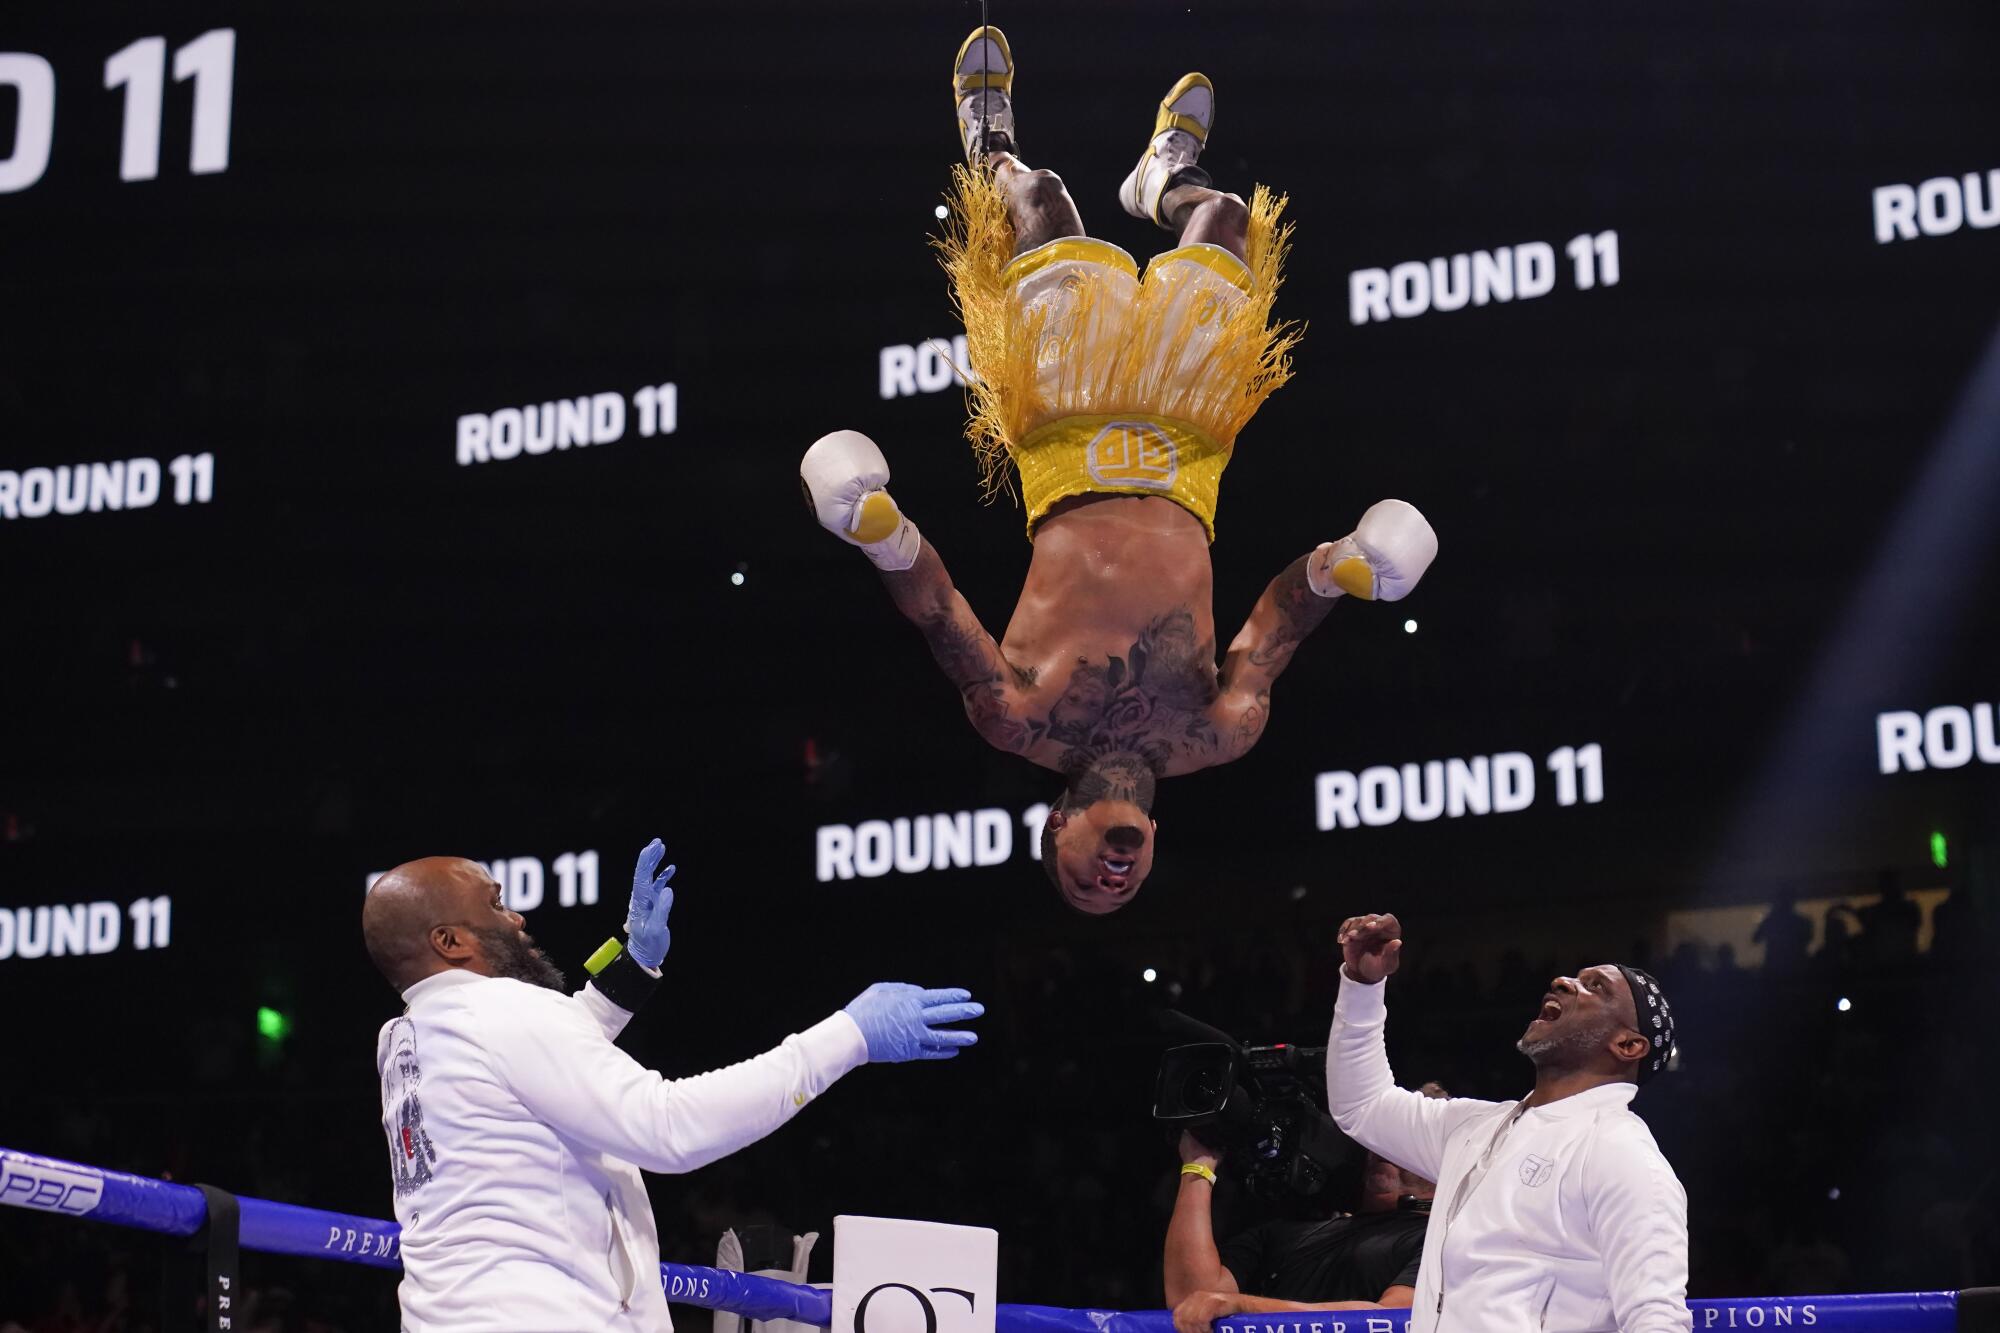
x: 1555, y: 1211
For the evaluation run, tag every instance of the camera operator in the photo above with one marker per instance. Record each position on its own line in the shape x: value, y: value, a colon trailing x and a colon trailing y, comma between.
x: 1364, y: 1260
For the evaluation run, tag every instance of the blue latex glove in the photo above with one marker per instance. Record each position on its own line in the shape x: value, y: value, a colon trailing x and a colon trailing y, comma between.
x: 646, y: 931
x: 899, y: 1020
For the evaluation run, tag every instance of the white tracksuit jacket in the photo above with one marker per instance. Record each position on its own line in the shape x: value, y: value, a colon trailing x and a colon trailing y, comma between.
x: 516, y: 1135
x: 1578, y: 1225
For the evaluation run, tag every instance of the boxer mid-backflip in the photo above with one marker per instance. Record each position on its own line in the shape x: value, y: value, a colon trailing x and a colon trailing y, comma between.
x: 1117, y: 400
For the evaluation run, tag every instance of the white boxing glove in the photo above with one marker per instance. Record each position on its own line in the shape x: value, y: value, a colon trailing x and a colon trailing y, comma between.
x: 1381, y: 560
x: 845, y: 478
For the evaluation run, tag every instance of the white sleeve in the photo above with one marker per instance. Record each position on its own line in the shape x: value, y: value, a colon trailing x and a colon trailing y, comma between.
x: 1637, y: 1213
x: 1405, y: 1127
x: 568, y: 1075
x: 609, y: 1016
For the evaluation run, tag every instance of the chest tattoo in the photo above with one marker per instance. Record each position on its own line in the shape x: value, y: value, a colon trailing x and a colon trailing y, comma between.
x: 1154, y: 701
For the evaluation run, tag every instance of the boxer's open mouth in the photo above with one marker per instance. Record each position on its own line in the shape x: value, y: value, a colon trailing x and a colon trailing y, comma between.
x: 1551, y: 1010
x: 1116, y: 865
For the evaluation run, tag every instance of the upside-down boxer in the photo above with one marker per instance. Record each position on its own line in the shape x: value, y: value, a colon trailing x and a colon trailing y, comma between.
x: 1557, y: 1211
x: 1116, y: 400
x: 517, y: 1130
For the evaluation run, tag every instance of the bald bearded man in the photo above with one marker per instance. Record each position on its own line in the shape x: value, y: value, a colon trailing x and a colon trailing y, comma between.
x: 517, y: 1130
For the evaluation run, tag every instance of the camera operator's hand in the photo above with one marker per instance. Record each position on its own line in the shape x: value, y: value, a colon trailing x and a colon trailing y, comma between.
x: 1371, y: 946
x: 1198, y: 1312
x: 1193, y: 1150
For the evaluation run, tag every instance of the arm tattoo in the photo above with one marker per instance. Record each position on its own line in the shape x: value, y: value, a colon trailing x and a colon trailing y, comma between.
x: 973, y: 663
x: 1288, y: 611
x: 1249, y: 728
x: 1299, y: 612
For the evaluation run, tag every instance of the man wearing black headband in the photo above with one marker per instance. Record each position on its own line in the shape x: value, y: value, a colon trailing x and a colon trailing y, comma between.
x: 1556, y: 1211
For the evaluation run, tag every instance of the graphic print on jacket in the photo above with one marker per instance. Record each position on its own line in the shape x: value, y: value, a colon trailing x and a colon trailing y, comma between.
x: 411, y: 1155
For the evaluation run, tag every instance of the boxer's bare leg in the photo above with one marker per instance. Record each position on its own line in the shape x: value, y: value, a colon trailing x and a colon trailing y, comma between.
x: 1037, y: 203
x: 1207, y: 216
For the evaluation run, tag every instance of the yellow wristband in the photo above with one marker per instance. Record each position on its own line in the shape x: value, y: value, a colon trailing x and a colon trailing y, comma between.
x: 1197, y: 1169
x: 607, y: 954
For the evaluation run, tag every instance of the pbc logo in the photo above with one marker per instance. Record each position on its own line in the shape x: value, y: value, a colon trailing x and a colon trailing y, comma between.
x: 49, y: 1187
x: 1535, y: 1171
x: 1133, y: 453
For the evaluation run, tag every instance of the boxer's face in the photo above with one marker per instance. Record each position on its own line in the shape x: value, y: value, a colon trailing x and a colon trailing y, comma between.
x: 1103, y: 854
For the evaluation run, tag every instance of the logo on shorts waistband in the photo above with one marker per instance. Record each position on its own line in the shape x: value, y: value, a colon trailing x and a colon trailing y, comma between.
x: 1133, y: 453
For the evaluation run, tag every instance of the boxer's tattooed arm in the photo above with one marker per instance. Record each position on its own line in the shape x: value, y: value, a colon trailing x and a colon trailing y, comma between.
x: 974, y: 663
x: 991, y: 688
x: 1245, y: 725
x: 1288, y: 611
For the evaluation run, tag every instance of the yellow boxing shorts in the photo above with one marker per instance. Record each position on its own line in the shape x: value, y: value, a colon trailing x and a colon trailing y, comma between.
x: 1087, y: 378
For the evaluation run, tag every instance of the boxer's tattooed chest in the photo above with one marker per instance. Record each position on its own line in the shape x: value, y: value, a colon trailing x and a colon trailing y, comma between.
x: 1153, y: 701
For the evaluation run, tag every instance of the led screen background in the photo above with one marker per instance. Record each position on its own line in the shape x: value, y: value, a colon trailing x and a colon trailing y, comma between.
x: 1715, y: 518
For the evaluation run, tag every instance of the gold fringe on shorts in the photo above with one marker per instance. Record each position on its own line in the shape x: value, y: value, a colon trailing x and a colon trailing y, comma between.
x: 1142, y: 371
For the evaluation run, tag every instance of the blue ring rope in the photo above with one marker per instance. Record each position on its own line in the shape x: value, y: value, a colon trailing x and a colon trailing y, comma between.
x: 70, y: 1189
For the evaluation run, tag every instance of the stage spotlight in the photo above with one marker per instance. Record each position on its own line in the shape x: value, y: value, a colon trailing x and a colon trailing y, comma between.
x: 1409, y: 627
x: 1915, y: 588
x: 1843, y: 1004
x: 942, y: 212
x: 736, y: 579
x: 1940, y: 854
x: 272, y: 1025
x: 1150, y: 975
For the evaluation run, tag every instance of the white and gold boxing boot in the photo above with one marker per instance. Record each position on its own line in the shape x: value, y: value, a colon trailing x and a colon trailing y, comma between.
x: 982, y: 91
x: 1180, y: 132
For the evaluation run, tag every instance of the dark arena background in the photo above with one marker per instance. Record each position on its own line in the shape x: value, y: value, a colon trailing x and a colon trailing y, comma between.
x: 1715, y: 484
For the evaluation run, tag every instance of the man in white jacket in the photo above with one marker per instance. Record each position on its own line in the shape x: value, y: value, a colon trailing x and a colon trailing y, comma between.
x: 1556, y: 1212
x: 517, y: 1130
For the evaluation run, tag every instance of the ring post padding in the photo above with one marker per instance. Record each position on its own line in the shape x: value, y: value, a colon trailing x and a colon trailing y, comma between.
x: 1979, y: 1310
x: 210, y: 1265
x: 70, y: 1189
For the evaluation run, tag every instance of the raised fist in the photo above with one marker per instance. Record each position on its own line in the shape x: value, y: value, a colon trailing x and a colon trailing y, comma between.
x: 1371, y: 946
